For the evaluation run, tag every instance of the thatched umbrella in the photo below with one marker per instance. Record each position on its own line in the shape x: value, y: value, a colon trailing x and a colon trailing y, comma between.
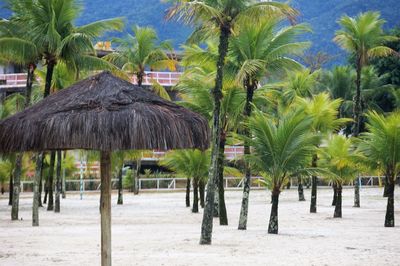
x: 103, y: 113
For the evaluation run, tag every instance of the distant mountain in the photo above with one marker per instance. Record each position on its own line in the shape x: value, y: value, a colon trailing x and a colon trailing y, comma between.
x: 320, y: 14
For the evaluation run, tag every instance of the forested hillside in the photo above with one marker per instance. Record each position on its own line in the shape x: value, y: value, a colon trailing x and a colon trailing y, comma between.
x: 320, y: 14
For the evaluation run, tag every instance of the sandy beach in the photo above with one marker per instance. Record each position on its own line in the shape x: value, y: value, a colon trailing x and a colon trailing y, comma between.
x: 157, y: 229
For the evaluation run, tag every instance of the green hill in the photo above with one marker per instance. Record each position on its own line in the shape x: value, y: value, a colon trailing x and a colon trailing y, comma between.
x: 320, y: 14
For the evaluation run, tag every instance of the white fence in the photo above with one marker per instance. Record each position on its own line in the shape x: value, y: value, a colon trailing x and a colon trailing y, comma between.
x: 175, y: 184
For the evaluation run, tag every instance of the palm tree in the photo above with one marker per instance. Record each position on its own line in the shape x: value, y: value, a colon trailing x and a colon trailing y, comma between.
x: 381, y: 144
x: 220, y: 17
x: 340, y: 158
x: 50, y: 26
x: 141, y: 51
x: 324, y: 113
x: 194, y: 87
x: 193, y: 164
x: 362, y: 36
x: 281, y: 148
x: 256, y: 53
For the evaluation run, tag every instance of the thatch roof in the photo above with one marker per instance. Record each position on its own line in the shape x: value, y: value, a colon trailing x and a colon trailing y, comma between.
x: 106, y: 113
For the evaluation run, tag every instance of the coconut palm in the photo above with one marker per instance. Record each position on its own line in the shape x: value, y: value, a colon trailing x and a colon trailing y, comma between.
x: 381, y: 144
x: 362, y: 36
x: 50, y: 26
x: 220, y: 17
x: 340, y: 158
x: 281, y: 148
x: 324, y: 113
x: 340, y: 82
x: 194, y: 88
x: 193, y: 164
x: 140, y: 51
x: 256, y: 53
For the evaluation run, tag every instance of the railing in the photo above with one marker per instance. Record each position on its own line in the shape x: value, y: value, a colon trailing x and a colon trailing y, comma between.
x: 17, y: 80
x: 179, y: 184
x: 166, y: 79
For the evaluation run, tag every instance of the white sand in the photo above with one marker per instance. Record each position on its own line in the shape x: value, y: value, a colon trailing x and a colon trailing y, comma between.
x: 156, y: 229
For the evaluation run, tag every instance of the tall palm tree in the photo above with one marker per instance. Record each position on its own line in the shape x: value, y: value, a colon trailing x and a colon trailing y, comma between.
x: 193, y: 164
x: 341, y: 159
x: 220, y: 17
x: 140, y: 51
x: 324, y: 114
x: 194, y: 88
x: 381, y: 144
x: 256, y: 53
x: 362, y: 36
x: 50, y: 26
x: 281, y: 148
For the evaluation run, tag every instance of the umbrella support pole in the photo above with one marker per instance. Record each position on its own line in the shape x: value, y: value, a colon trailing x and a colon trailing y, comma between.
x: 105, y: 207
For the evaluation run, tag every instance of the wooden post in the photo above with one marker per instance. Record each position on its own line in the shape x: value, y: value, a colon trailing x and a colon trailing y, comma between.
x: 105, y: 207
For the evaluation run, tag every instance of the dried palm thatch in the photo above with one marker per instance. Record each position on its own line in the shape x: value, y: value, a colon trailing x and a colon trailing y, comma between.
x: 104, y: 113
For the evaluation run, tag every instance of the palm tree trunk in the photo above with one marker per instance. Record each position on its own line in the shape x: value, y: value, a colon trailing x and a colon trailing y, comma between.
x: 250, y: 87
x: 18, y: 162
x: 357, y: 193
x: 314, y: 183
x: 207, y: 223
x: 36, y: 195
x: 195, y: 208
x: 223, y: 216
x: 49, y: 76
x: 202, y: 192
x: 120, y: 199
x: 187, y: 192
x: 16, y: 187
x: 50, y: 204
x: 216, y: 198
x: 273, y: 219
x: 136, y: 176
x: 10, y: 189
x: 334, y: 200
x: 357, y: 112
x: 58, y: 181
x: 46, y: 190
x: 338, y: 205
x: 140, y: 76
x: 389, y: 217
x: 300, y: 189
x: 386, y: 187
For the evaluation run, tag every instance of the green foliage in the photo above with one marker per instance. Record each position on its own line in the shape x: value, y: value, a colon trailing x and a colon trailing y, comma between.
x: 341, y: 159
x: 188, y: 163
x: 381, y: 144
x: 282, y: 147
x: 364, y: 37
x: 265, y: 50
x: 140, y: 51
x: 323, y: 113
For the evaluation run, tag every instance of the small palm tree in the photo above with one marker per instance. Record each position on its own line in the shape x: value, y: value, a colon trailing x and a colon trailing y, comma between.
x: 256, y: 53
x: 193, y: 164
x: 381, y: 144
x: 362, y: 36
x: 220, y: 17
x: 141, y: 51
x: 340, y: 158
x: 281, y: 148
x: 324, y: 113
